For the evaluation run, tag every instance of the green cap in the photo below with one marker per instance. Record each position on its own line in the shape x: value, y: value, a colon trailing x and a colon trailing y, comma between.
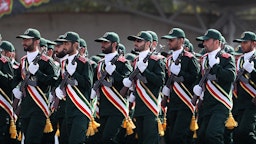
x: 186, y: 42
x: 82, y: 43
x: 229, y: 49
x: 59, y: 40
x: 142, y: 35
x: 174, y: 33
x: 51, y: 44
x: 223, y: 40
x: 210, y: 33
x: 238, y: 50
x: 95, y: 58
x: 154, y: 36
x: 122, y: 48
x: 191, y: 47
x: 71, y: 36
x: 246, y: 36
x: 30, y: 33
x: 6, y: 45
x: 43, y: 42
x: 130, y: 56
x: 109, y: 37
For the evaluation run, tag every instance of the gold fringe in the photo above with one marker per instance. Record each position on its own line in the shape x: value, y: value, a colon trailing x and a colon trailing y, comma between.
x: 230, y: 122
x: 194, y: 126
x: 58, y: 130
x: 92, y: 128
x: 20, y: 136
x: 12, y: 129
x: 128, y: 125
x: 48, y: 126
x: 160, y: 127
x: 164, y: 124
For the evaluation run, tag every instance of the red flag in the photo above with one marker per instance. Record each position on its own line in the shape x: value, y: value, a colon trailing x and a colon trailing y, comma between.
x: 29, y: 3
x: 5, y: 7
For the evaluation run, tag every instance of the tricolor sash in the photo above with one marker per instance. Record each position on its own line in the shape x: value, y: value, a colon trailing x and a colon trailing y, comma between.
x: 147, y: 97
x: 248, y: 88
x: 6, y: 104
x: 184, y: 95
x: 219, y: 94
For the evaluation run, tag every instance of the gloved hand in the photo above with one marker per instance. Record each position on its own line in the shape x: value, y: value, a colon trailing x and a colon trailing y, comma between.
x: 127, y: 82
x: 71, y: 68
x: 142, y: 66
x: 248, y: 66
x: 93, y: 94
x: 33, y: 68
x: 213, y: 61
x: 198, y: 90
x: 131, y: 98
x: 175, y: 69
x: 166, y: 91
x: 59, y: 93
x: 17, y: 93
x: 110, y: 68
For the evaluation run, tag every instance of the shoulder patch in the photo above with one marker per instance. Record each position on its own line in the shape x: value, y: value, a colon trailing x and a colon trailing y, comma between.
x: 122, y: 59
x: 45, y: 58
x: 155, y: 57
x: 82, y: 59
x: 225, y: 55
x: 188, y: 54
x: 4, y: 59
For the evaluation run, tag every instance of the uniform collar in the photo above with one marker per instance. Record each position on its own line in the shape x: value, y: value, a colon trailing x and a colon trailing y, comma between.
x: 63, y: 58
x: 213, y: 53
x: 176, y: 53
x: 32, y: 55
x: 71, y: 57
x: 248, y: 55
x: 143, y: 54
x: 110, y: 56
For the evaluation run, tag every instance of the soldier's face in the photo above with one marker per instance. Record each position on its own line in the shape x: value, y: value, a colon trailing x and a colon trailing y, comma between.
x: 106, y: 47
x: 210, y: 45
x: 28, y: 44
x: 139, y: 45
x: 174, y: 44
x: 247, y: 46
x: 68, y: 47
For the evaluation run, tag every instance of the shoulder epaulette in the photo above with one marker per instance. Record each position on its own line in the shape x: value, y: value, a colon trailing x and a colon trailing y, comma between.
x: 122, y: 59
x: 155, y: 57
x: 225, y: 55
x: 82, y: 59
x: 4, y: 59
x: 25, y: 56
x: 188, y: 54
x: 44, y: 57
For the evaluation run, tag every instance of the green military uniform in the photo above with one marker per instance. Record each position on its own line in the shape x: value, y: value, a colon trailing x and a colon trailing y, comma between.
x: 217, y: 97
x: 245, y: 111
x: 6, y: 76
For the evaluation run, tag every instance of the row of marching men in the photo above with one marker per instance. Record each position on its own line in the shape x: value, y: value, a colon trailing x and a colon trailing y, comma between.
x: 175, y: 96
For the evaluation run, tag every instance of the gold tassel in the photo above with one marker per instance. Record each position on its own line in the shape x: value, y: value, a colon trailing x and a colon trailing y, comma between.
x: 95, y: 125
x: 48, y: 126
x: 12, y: 129
x: 90, y: 131
x: 58, y: 130
x: 164, y: 124
x: 230, y: 122
x: 160, y: 127
x: 20, y: 136
x: 194, y: 126
x: 128, y: 125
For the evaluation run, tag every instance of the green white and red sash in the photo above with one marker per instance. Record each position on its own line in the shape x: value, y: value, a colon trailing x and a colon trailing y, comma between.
x: 219, y: 94
x: 24, y: 66
x: 184, y: 95
x: 148, y: 97
x: 79, y: 101
x: 6, y: 104
x: 39, y: 97
x: 116, y: 99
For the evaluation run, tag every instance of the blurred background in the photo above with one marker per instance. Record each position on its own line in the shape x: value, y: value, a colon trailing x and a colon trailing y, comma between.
x: 92, y: 18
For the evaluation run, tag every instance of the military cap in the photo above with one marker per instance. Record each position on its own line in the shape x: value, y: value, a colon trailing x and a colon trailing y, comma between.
x: 51, y: 44
x: 71, y: 37
x: 154, y: 36
x: 223, y: 40
x: 130, y: 56
x: 142, y: 35
x: 229, y: 49
x: 43, y: 42
x: 82, y: 43
x: 6, y: 45
x: 174, y: 33
x: 59, y: 40
x: 122, y: 48
x: 30, y: 33
x: 246, y: 36
x: 210, y: 33
x: 238, y: 50
x: 95, y: 58
x: 109, y: 37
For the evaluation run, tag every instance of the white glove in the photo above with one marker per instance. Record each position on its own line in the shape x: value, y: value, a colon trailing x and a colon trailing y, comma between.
x: 59, y: 93
x: 248, y: 66
x: 197, y: 90
x: 50, y: 99
x: 110, y: 68
x: 142, y: 66
x: 71, y: 68
x: 93, y: 94
x: 175, y: 69
x: 131, y: 98
x: 166, y: 91
x: 127, y: 82
x: 213, y: 61
x: 17, y: 93
x: 33, y: 68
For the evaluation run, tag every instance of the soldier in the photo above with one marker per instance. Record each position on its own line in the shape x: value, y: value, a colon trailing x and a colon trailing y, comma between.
x: 77, y: 75
x: 112, y: 107
x: 38, y: 75
x: 148, y: 83
x: 215, y: 90
x: 7, y: 119
x: 83, y: 48
x: 183, y: 69
x: 246, y: 90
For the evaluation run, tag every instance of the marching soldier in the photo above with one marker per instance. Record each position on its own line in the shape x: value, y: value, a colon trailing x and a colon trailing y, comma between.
x: 183, y: 69
x: 76, y: 85
x: 36, y: 77
x: 246, y: 91
x: 111, y: 69
x: 148, y: 82
x: 215, y: 91
x: 7, y: 119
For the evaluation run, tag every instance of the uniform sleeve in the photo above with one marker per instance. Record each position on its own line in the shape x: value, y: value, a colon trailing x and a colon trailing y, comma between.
x: 6, y: 74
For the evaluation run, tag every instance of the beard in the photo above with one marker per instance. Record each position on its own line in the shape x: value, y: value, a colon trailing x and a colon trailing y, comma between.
x: 139, y: 48
x: 28, y: 47
x: 60, y: 54
x: 107, y: 50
